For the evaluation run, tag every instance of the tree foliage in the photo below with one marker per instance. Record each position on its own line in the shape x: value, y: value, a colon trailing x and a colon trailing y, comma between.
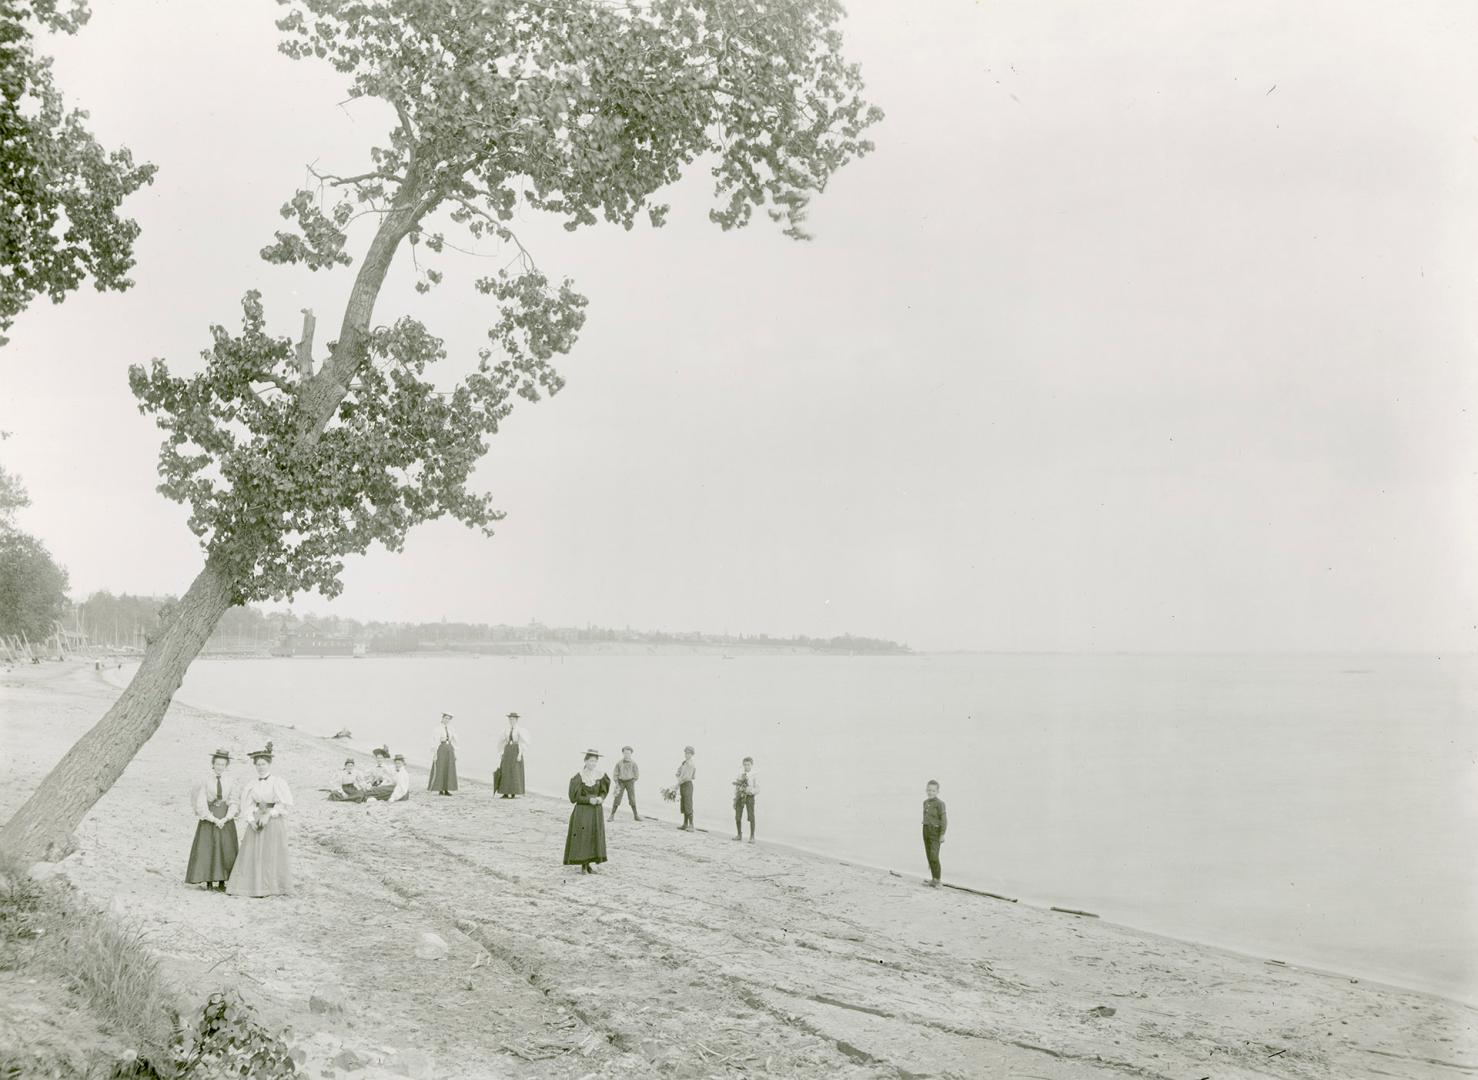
x: 60, y: 191
x: 582, y: 109
x: 33, y: 589
x: 13, y: 497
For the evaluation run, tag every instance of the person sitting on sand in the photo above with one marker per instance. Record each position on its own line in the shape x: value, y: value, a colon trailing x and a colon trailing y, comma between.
x: 443, y: 778
x: 585, y: 841
x: 685, y: 774
x: 626, y: 777
x: 348, y: 786
x: 262, y: 867
x: 379, y: 781
x: 213, y: 853
x: 935, y: 822
x: 745, y: 789
x: 402, y: 789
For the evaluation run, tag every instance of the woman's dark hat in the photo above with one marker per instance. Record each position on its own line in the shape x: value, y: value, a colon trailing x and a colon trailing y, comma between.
x: 264, y: 754
x: 222, y: 754
x: 592, y: 753
x: 348, y: 761
x: 446, y: 716
x: 400, y: 758
x: 513, y: 716
x: 626, y: 748
x: 381, y: 751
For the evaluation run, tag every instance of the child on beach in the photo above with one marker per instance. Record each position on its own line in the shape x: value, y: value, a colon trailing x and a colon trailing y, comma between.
x: 685, y: 773
x: 745, y: 789
x: 935, y: 822
x: 626, y: 775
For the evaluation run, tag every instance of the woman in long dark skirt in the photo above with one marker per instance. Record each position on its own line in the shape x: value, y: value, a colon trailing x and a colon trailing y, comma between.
x: 509, y: 778
x: 213, y: 853
x: 443, y: 778
x: 585, y: 843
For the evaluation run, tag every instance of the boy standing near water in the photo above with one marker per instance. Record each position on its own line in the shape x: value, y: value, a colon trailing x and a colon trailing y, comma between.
x: 935, y: 822
x: 745, y: 789
x: 685, y: 774
x: 626, y: 774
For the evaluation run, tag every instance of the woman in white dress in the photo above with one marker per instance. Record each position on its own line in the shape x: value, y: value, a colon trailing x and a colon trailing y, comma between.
x: 262, y: 866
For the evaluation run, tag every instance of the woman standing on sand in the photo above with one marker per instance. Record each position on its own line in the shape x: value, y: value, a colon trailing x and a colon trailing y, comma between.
x: 262, y: 867
x: 213, y: 853
x: 508, y: 780
x: 443, y: 778
x: 585, y: 843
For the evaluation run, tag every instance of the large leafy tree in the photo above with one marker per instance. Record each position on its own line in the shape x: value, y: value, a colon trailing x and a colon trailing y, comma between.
x: 60, y: 191
x: 581, y: 109
x: 33, y: 588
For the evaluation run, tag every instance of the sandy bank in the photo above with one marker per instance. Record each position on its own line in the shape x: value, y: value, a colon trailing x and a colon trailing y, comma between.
x: 689, y: 956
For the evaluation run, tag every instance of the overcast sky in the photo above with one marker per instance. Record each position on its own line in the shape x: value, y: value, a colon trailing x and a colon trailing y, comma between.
x: 1147, y: 327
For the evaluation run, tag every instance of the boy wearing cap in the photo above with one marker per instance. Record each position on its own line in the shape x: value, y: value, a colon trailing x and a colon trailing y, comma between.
x: 685, y: 773
x: 935, y: 822
x: 626, y: 774
x: 745, y: 789
x: 213, y: 853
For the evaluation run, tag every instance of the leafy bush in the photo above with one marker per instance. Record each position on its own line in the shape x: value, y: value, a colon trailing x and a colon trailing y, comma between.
x: 227, y: 1040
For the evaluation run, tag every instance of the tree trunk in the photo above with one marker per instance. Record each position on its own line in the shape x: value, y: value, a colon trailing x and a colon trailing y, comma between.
x: 42, y: 828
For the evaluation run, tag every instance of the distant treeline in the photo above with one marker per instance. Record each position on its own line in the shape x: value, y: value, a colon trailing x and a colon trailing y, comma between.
x: 128, y: 621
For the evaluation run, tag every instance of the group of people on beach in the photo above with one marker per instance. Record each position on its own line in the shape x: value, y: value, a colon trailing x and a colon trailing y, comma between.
x: 256, y: 862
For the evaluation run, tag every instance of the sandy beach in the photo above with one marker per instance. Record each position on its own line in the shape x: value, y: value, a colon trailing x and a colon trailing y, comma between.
x: 687, y: 956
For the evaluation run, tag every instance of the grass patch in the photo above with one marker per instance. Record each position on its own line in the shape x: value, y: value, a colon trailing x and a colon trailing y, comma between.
x: 123, y: 1018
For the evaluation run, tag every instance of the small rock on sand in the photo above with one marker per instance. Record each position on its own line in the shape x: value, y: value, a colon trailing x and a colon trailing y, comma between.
x: 413, y: 1063
x: 431, y: 947
x: 326, y: 999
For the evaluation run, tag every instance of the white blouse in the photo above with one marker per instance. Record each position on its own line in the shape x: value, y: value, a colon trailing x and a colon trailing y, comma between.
x: 273, y: 789
x: 517, y: 735
x: 445, y: 733
x: 205, y: 790
x: 402, y: 784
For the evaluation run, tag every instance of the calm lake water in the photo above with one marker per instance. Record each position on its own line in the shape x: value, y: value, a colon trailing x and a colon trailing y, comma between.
x: 1313, y: 809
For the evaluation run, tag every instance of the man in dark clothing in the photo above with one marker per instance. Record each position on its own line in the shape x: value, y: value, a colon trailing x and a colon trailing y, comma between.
x: 935, y: 822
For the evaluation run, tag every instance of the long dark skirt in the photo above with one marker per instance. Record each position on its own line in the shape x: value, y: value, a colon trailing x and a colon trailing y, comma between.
x: 510, y: 772
x: 443, y: 769
x: 685, y: 789
x: 213, y: 853
x: 586, y: 840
